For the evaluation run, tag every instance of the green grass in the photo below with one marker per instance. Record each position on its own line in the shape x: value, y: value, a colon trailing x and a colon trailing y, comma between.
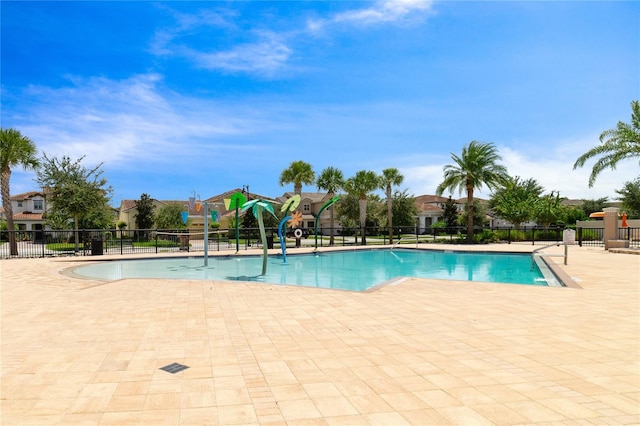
x: 158, y: 243
x: 63, y: 246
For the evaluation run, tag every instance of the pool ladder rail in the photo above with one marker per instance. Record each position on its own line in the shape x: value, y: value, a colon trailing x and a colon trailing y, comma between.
x: 537, y: 251
x: 397, y: 243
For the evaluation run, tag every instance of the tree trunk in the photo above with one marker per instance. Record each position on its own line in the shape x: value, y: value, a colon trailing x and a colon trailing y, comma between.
x: 469, y: 213
x: 8, y: 210
x: 76, y: 237
x: 390, y: 215
x: 363, y: 220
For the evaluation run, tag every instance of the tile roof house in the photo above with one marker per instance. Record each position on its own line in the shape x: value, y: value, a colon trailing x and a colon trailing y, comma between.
x: 28, y: 210
x: 430, y: 210
x: 310, y: 205
x: 195, y: 213
x: 217, y: 203
x: 127, y: 212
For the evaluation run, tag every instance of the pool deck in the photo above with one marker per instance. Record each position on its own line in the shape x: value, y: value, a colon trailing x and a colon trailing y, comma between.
x: 419, y: 352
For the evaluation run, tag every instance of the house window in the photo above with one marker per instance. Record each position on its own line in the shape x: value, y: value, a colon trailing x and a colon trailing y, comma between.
x: 19, y: 203
x: 306, y: 207
x: 38, y: 204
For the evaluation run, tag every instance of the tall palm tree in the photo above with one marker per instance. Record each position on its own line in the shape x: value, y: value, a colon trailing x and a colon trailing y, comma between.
x: 15, y: 150
x: 615, y: 145
x: 297, y: 173
x: 477, y: 166
x: 361, y: 185
x: 390, y: 177
x: 331, y: 180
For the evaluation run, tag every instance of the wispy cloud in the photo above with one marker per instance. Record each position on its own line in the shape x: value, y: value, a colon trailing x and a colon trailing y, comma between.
x: 381, y: 12
x: 186, y: 24
x: 269, y: 53
x: 138, y: 124
x: 265, y: 51
x: 385, y: 11
x: 128, y: 121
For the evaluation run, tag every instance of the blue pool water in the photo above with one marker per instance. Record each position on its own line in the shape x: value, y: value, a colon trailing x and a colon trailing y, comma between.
x: 356, y: 270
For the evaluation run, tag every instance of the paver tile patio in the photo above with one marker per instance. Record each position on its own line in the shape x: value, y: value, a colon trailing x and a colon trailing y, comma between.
x: 77, y: 351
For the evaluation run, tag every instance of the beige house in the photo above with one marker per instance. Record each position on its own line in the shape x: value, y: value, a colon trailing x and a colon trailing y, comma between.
x: 310, y: 205
x: 217, y: 203
x: 128, y: 211
x: 195, y: 213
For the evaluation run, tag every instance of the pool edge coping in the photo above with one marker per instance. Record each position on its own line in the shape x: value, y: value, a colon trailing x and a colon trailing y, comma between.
x: 564, y: 279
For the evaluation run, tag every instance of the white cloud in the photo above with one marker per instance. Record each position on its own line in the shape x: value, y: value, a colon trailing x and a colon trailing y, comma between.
x: 554, y: 171
x: 186, y: 24
x: 385, y: 11
x: 422, y: 179
x: 131, y: 121
x: 388, y: 11
x: 266, y: 55
x: 265, y: 51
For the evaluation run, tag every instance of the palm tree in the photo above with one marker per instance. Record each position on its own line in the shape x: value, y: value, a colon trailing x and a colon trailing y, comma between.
x: 615, y: 145
x: 476, y: 166
x: 390, y: 177
x: 363, y: 183
x: 331, y: 180
x: 15, y: 150
x: 297, y: 173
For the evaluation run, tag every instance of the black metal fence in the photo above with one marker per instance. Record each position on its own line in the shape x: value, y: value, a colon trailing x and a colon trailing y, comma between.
x: 595, y: 236
x: 99, y: 242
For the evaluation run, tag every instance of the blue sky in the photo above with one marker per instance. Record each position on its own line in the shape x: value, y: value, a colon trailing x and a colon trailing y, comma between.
x: 176, y: 97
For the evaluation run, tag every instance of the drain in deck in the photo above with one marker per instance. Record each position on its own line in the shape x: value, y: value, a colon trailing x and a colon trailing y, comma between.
x: 174, y: 368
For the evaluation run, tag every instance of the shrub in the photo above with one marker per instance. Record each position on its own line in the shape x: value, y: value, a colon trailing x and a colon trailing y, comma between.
x: 548, y: 235
x: 591, y: 235
x: 485, y: 236
x: 510, y: 235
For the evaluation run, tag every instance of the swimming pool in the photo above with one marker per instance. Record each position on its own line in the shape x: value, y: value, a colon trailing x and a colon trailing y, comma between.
x: 355, y: 270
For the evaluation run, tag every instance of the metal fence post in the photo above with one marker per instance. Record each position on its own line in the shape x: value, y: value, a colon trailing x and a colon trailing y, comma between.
x: 580, y: 236
x: 533, y: 235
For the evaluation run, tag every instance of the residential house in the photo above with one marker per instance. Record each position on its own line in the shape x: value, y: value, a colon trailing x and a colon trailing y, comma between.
x: 310, y: 205
x: 429, y: 211
x: 195, y: 210
x: 431, y: 208
x: 28, y: 211
x: 128, y: 212
x: 219, y: 203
